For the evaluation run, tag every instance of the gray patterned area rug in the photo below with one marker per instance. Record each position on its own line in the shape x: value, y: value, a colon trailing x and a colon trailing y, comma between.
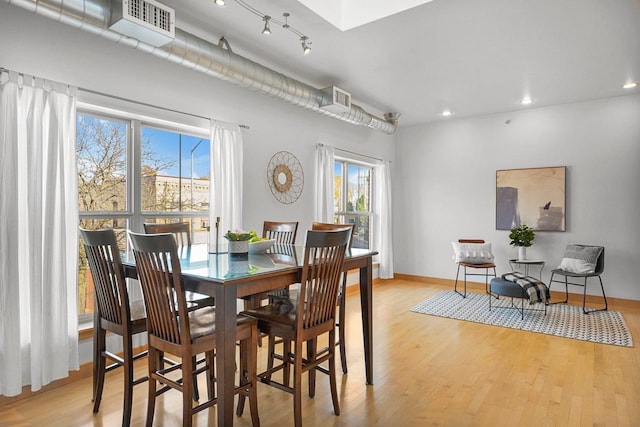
x: 605, y: 327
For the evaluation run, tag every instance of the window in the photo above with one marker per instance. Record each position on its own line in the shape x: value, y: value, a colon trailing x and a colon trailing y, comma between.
x: 352, y: 199
x: 131, y: 171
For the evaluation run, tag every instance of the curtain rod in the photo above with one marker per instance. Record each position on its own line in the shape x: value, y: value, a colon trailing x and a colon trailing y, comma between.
x: 95, y: 92
x: 353, y: 152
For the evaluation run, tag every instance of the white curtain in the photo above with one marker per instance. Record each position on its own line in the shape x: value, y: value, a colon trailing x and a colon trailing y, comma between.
x: 383, y: 234
x: 38, y: 233
x: 323, y: 206
x: 226, y: 186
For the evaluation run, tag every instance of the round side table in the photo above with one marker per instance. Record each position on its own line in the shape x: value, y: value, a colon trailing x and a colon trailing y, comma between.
x: 525, y: 264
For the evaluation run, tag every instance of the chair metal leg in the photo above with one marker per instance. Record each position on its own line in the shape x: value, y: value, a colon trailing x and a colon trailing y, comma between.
x: 584, y: 298
x: 566, y: 290
x: 455, y: 286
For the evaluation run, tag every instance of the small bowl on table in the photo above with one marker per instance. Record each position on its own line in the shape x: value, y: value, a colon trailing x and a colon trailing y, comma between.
x: 261, y: 246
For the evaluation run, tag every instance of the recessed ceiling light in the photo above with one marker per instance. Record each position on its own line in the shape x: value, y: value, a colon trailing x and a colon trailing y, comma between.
x: 221, y: 3
x: 526, y: 100
x: 630, y: 85
x: 447, y: 113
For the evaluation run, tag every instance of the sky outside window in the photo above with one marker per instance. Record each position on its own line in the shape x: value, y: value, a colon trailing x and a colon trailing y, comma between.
x: 174, y: 152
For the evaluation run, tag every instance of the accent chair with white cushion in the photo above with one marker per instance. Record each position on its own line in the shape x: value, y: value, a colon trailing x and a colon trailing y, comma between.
x: 580, y: 262
x: 474, y: 254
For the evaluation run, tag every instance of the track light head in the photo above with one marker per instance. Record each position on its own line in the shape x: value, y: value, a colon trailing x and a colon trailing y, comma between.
x: 305, y: 46
x: 266, y: 29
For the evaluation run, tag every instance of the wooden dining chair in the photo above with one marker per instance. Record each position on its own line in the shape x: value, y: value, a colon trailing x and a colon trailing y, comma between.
x: 114, y: 313
x: 284, y: 233
x: 181, y: 232
x: 342, y: 318
x: 313, y: 314
x: 173, y: 329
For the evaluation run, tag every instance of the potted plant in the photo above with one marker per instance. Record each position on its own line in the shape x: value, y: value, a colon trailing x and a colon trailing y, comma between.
x: 522, y: 237
x: 238, y: 241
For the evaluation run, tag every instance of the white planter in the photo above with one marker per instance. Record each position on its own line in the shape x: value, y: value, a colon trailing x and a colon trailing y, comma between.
x: 238, y: 246
x: 522, y: 253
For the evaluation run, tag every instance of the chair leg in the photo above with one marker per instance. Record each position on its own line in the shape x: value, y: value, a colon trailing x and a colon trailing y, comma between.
x: 99, y: 365
x: 271, y: 350
x: 297, y: 384
x: 332, y: 372
x: 312, y: 346
x: 251, y: 303
x: 566, y: 289
x: 154, y: 362
x: 584, y: 298
x: 128, y: 381
x: 187, y: 391
x: 210, y: 361
x: 286, y: 370
x: 455, y: 286
x: 196, y: 394
x: 342, y: 320
x: 248, y: 375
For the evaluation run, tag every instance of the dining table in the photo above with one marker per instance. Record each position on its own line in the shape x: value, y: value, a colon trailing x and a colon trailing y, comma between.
x: 227, y: 277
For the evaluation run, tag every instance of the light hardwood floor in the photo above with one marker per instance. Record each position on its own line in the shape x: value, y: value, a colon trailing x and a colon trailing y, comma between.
x: 428, y: 371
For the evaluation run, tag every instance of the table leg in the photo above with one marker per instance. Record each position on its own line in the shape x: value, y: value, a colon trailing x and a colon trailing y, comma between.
x: 226, y: 323
x: 366, y: 302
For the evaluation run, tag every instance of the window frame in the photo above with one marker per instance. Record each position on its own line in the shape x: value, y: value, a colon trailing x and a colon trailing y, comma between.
x: 345, y: 214
x: 133, y: 216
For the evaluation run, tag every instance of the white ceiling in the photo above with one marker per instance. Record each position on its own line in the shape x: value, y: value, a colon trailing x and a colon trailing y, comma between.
x: 471, y: 56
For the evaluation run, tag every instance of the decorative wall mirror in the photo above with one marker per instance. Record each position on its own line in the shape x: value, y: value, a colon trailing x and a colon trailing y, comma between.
x: 285, y: 177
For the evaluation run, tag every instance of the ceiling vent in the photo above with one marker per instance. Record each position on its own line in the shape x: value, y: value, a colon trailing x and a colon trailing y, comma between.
x: 340, y: 100
x: 144, y: 20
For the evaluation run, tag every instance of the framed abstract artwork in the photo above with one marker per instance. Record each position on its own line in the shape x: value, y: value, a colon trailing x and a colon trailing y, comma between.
x: 534, y: 197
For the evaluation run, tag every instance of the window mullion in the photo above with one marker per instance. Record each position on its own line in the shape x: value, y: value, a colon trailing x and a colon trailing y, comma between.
x: 135, y: 175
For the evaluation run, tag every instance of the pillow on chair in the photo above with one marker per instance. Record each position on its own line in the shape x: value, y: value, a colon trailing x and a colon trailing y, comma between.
x: 472, y: 253
x: 580, y: 259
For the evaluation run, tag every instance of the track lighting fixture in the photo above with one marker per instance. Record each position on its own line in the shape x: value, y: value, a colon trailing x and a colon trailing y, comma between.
x: 266, y: 29
x: 305, y: 47
x: 304, y: 40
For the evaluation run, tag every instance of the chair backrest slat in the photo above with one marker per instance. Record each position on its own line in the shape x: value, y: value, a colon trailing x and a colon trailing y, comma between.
x: 324, y: 226
x: 159, y: 274
x: 105, y: 266
x: 323, y: 260
x: 180, y: 230
x: 282, y: 232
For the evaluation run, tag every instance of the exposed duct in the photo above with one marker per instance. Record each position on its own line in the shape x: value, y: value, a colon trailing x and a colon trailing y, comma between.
x: 193, y: 52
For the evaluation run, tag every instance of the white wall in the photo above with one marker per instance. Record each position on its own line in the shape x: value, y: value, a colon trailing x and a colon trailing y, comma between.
x: 39, y: 46
x: 445, y: 186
